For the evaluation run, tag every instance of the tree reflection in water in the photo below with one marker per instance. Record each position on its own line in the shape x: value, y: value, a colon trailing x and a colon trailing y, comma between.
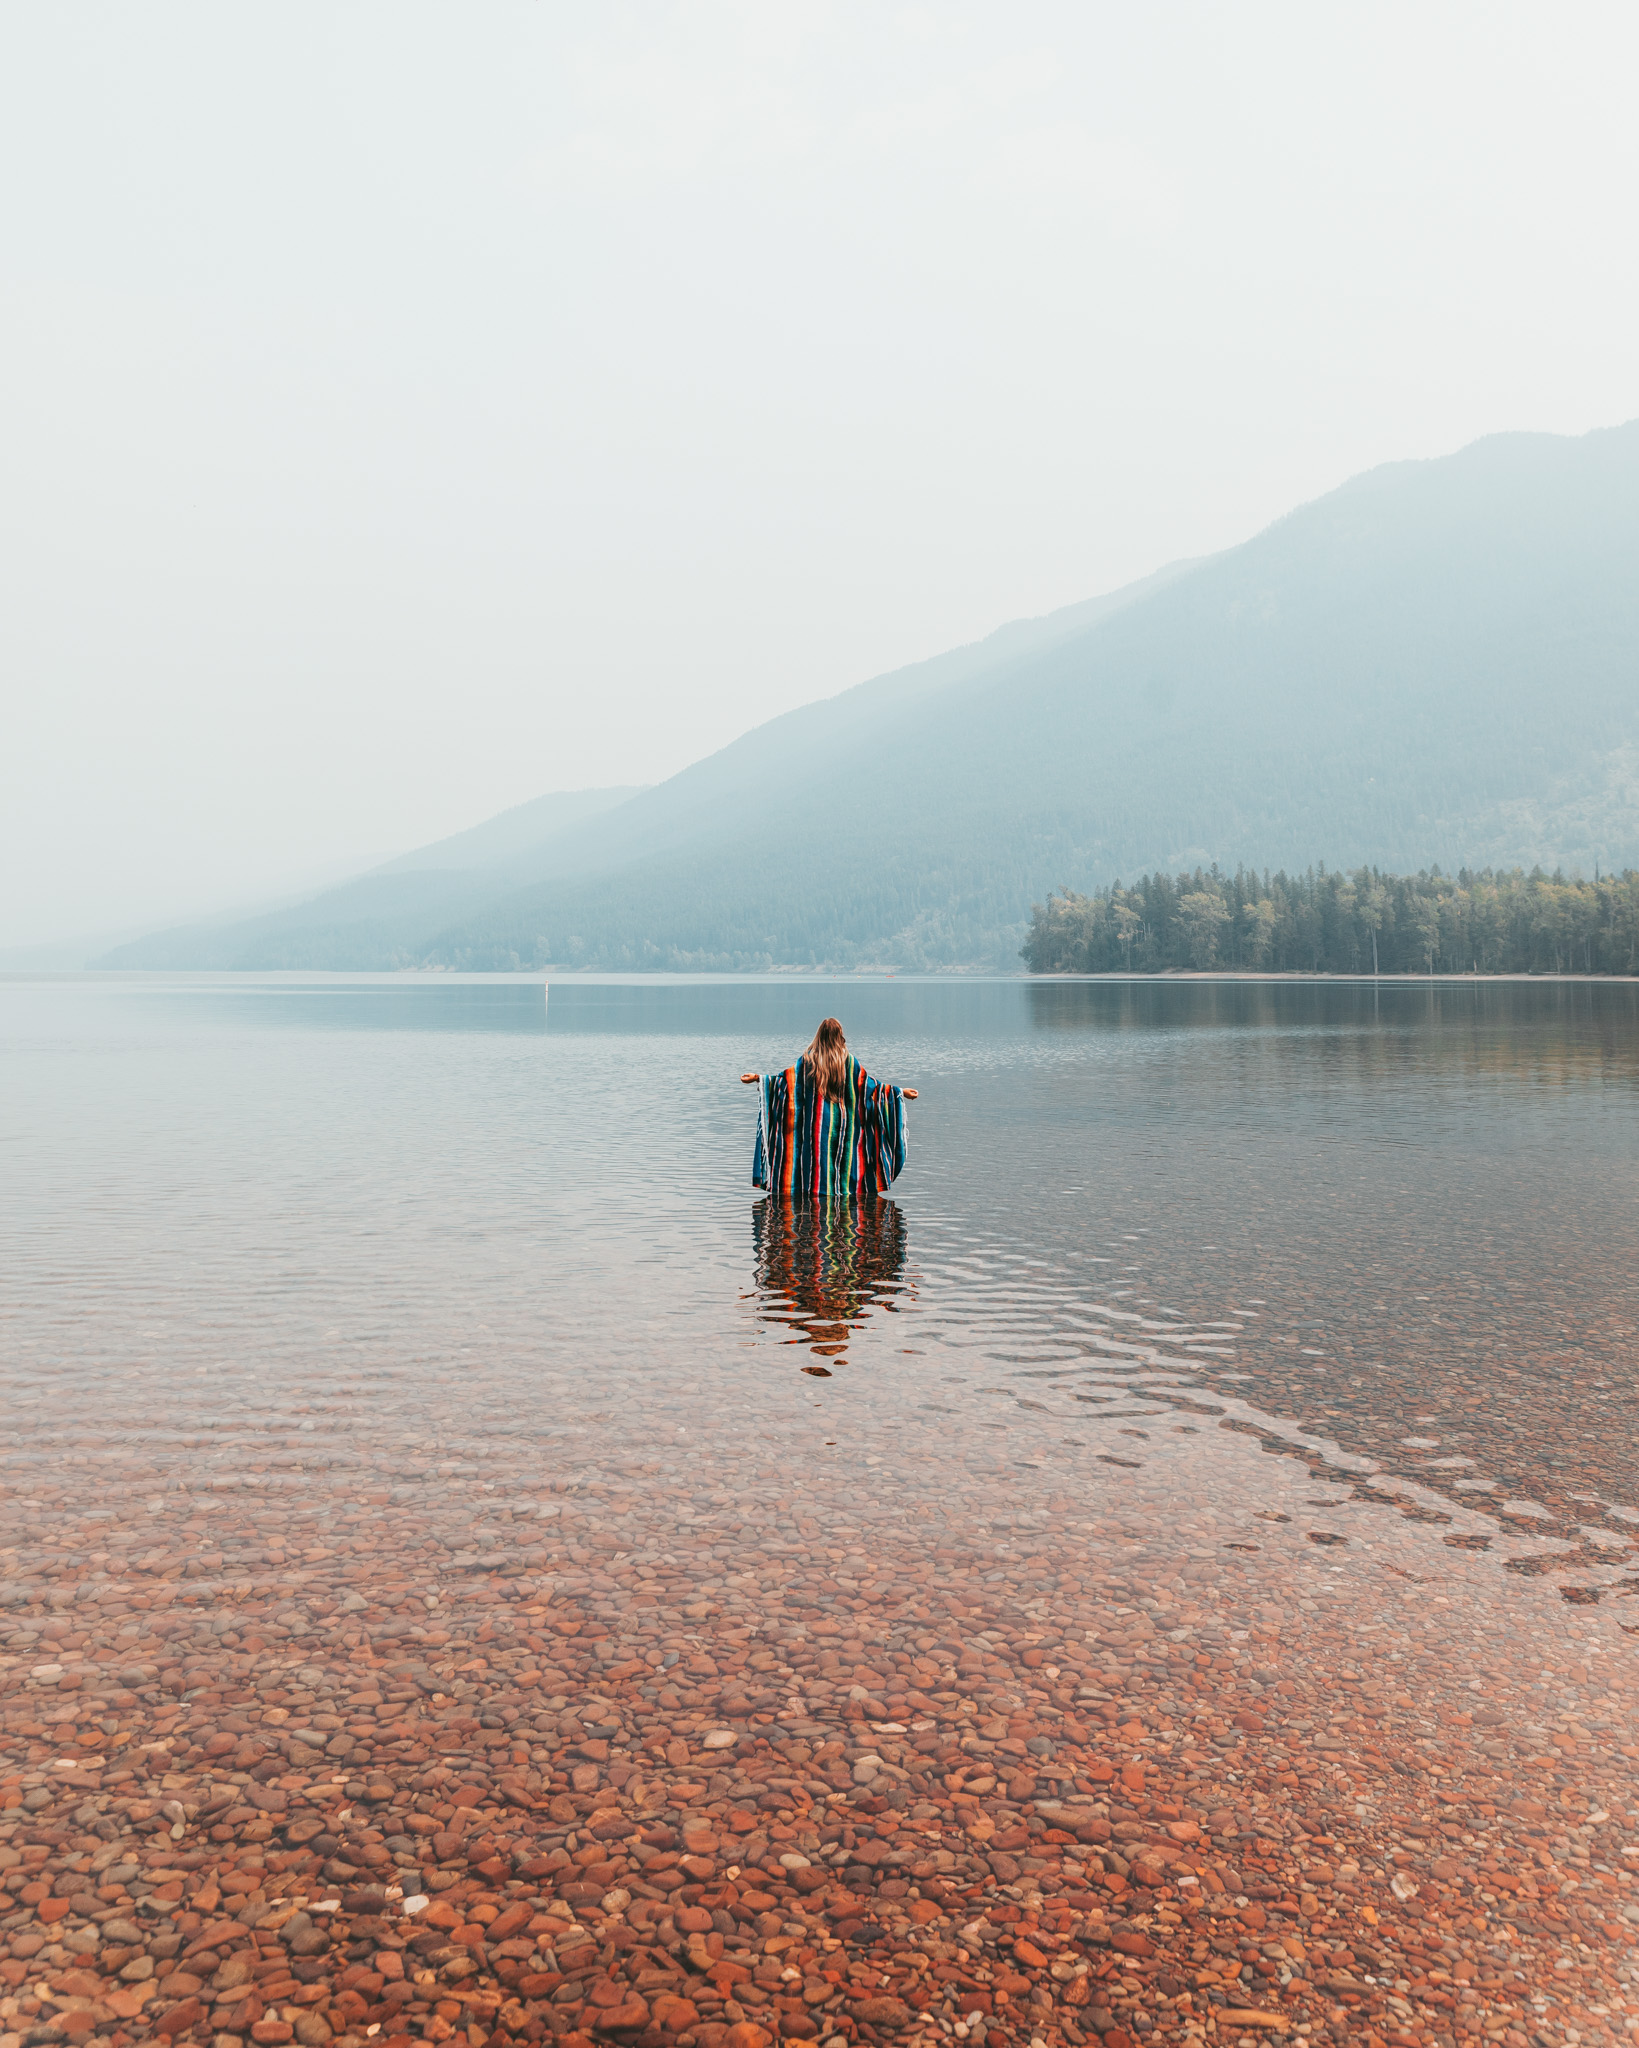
x: 823, y: 1269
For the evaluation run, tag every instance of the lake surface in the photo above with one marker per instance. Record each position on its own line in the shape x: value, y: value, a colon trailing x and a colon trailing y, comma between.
x: 1318, y: 1297
x: 1403, y: 1219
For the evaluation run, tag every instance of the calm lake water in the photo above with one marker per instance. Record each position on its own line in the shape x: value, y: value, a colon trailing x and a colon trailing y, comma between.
x: 1224, y: 1435
x: 1402, y: 1222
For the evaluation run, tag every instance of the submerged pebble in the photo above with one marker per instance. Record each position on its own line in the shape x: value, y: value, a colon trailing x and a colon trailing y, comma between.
x: 772, y: 1751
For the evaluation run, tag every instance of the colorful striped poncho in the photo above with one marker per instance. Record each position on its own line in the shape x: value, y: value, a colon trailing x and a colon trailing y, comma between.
x: 809, y: 1149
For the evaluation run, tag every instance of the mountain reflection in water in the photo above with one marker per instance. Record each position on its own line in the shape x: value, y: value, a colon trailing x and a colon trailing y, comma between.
x: 824, y: 1268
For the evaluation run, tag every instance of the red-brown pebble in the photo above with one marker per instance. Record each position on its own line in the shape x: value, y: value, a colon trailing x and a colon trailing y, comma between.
x: 776, y: 1763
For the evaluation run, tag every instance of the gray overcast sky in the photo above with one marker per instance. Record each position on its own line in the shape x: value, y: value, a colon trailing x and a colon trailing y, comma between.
x: 409, y: 409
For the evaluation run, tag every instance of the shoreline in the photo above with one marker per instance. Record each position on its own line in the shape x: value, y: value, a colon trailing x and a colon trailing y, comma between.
x: 640, y: 977
x: 1297, y: 974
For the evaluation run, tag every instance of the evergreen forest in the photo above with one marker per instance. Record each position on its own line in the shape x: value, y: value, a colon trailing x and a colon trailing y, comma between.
x: 1325, y: 921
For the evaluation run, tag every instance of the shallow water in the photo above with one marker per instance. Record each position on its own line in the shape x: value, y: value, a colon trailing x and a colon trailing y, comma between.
x: 1165, y: 1256
x: 1402, y: 1220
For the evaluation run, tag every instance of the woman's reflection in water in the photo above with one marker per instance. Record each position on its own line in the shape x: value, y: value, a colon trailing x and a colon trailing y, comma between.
x: 823, y: 1267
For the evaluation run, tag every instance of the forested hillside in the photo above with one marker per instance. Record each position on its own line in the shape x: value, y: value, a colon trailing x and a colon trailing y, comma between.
x: 1437, y: 663
x: 1327, y: 922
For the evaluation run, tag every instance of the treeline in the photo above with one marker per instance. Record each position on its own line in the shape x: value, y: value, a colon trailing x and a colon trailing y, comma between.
x: 1489, y: 921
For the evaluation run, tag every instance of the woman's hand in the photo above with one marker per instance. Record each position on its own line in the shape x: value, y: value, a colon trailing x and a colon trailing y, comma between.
x: 909, y: 1094
x: 751, y: 1077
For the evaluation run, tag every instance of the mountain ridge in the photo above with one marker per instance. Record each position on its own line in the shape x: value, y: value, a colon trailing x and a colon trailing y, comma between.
x: 1437, y: 661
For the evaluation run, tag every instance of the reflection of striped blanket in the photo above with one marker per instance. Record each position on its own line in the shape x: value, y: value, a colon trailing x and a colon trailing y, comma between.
x: 823, y: 1267
x: 809, y: 1149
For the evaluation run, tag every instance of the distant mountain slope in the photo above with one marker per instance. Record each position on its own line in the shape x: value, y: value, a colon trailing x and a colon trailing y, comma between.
x: 394, y: 915
x: 387, y: 917
x: 518, y: 835
x: 1438, y: 662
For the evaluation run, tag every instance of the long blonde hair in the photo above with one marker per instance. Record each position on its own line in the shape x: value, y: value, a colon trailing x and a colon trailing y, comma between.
x: 827, y: 1058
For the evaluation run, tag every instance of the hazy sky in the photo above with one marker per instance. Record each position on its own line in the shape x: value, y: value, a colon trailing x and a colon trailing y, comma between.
x: 409, y: 409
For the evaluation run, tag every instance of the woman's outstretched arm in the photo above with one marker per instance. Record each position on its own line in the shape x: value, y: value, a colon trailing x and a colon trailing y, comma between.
x: 908, y: 1093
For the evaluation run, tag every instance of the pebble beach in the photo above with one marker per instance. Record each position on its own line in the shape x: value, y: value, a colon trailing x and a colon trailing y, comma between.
x: 774, y: 1758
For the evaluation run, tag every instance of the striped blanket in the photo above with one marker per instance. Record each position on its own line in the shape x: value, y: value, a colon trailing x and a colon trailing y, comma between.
x: 809, y: 1149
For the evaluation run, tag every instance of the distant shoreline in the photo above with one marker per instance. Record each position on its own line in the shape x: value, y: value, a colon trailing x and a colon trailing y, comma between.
x: 536, y: 976
x: 1308, y: 974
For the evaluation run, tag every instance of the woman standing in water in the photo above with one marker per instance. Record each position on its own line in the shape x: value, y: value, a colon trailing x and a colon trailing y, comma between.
x: 828, y: 1132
